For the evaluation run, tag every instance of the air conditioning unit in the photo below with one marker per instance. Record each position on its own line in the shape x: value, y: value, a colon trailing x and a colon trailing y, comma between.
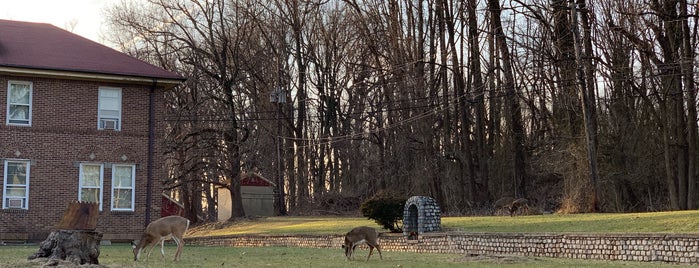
x: 15, y: 202
x: 110, y: 124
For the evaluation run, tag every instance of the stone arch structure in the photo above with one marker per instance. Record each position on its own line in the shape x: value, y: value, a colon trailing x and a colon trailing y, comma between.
x: 421, y: 214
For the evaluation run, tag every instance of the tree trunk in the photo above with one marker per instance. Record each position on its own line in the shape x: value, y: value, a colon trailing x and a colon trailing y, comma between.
x: 76, y: 246
x: 669, y: 41
x: 587, y: 95
x: 233, y: 142
x: 76, y: 240
x: 512, y: 107
x: 463, y: 111
x: 479, y: 91
x: 687, y: 70
x: 566, y: 119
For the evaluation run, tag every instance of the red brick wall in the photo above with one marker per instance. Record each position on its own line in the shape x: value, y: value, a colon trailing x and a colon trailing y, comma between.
x: 64, y: 134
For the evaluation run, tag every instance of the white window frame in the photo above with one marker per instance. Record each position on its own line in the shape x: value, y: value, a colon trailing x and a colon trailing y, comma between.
x: 102, y: 118
x: 6, y: 198
x: 132, y: 188
x: 9, y: 93
x: 101, y: 183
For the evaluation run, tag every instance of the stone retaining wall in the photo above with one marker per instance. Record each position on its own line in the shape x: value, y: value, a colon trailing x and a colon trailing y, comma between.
x: 674, y: 248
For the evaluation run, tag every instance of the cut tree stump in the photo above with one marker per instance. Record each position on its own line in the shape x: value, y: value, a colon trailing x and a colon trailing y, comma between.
x: 75, y: 239
x: 76, y: 246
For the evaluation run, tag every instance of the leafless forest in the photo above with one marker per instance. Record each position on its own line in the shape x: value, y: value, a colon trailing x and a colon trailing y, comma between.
x: 578, y: 105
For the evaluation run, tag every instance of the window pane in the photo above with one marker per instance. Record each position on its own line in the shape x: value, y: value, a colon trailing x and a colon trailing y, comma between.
x: 110, y: 99
x: 122, y: 177
x: 109, y: 113
x: 16, y: 191
x: 122, y: 198
x: 19, y: 112
x: 109, y: 104
x: 89, y: 195
x: 19, y: 93
x: 109, y: 93
x: 16, y: 173
x: 91, y: 175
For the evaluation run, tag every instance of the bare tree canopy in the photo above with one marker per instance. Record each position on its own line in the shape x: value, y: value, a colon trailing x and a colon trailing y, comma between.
x: 577, y: 106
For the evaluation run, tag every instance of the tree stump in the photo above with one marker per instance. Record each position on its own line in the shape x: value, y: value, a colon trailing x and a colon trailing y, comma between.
x: 75, y: 246
x: 75, y: 239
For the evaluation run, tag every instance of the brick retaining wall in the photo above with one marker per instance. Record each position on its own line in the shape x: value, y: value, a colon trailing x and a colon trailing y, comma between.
x: 674, y: 248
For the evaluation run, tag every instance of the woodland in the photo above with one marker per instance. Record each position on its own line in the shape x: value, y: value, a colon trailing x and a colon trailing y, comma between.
x: 579, y: 106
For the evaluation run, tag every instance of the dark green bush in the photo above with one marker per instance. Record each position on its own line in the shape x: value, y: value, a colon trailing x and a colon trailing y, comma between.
x: 386, y: 209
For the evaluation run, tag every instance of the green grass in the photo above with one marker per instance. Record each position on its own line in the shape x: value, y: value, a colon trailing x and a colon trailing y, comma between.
x: 196, y: 256
x: 282, y: 225
x: 655, y: 222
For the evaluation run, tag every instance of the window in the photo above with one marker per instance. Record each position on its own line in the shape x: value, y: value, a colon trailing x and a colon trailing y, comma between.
x: 123, y: 180
x: 16, y: 190
x: 109, y: 106
x: 19, y: 103
x: 91, y: 183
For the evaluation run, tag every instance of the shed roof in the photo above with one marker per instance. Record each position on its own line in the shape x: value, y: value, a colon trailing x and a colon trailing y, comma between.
x: 42, y: 46
x: 255, y: 179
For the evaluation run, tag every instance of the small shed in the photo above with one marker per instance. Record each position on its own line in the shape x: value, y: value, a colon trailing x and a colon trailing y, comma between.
x: 421, y: 214
x: 257, y: 194
x: 170, y: 207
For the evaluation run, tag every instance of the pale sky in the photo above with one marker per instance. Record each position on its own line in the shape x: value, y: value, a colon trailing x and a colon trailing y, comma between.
x: 87, y: 13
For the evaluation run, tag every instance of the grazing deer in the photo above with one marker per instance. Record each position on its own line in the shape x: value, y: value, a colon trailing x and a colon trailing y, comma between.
x: 520, y: 203
x: 502, y: 203
x: 170, y: 227
x: 361, y: 235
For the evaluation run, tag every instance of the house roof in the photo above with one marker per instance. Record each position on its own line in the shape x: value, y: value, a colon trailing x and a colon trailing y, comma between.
x: 44, y: 47
x: 255, y: 179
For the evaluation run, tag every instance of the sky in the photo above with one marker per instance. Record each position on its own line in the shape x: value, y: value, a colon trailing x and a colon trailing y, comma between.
x: 86, y: 13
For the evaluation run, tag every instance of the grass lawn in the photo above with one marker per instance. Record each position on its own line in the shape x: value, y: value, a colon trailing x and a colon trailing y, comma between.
x: 195, y: 256
x: 685, y: 222
x: 120, y: 255
x: 653, y: 222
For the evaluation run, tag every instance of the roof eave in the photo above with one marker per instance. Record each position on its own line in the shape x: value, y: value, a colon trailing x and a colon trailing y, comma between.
x: 162, y: 82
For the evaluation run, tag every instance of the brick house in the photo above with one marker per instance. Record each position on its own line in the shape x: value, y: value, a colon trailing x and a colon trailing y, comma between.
x: 79, y: 121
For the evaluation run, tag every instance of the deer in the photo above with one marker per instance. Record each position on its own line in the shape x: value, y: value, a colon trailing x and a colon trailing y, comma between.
x: 502, y: 204
x: 361, y: 235
x: 519, y: 203
x: 170, y: 227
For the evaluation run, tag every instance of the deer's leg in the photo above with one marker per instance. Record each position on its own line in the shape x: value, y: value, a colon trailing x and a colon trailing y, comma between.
x: 377, y: 247
x: 152, y: 245
x: 371, y: 250
x: 513, y: 210
x: 180, y: 246
x: 162, y: 247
